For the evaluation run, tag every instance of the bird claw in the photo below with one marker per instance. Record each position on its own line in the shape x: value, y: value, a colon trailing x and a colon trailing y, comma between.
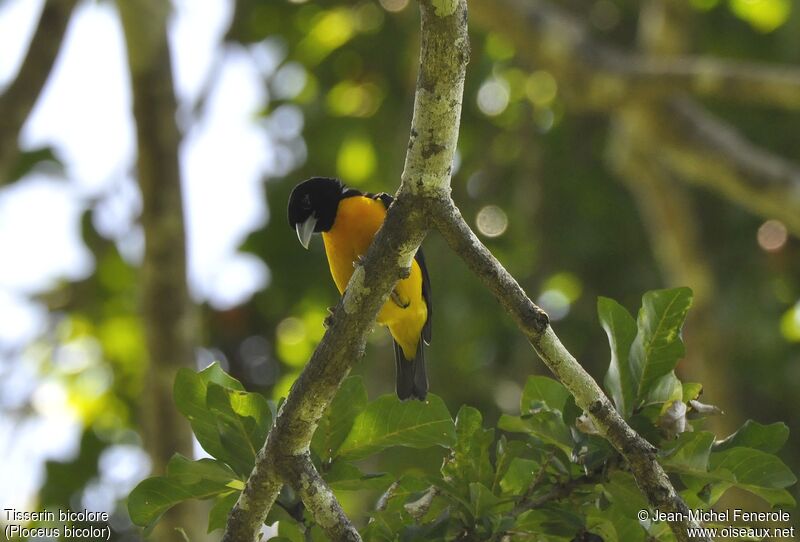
x: 398, y: 301
x: 405, y: 272
x: 328, y: 321
x: 358, y: 262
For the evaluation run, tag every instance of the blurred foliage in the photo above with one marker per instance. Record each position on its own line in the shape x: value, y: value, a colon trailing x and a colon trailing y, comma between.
x: 547, y: 476
x: 568, y: 231
x: 531, y: 179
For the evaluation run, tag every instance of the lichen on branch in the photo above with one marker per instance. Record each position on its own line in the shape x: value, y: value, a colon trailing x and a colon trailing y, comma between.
x: 423, y: 200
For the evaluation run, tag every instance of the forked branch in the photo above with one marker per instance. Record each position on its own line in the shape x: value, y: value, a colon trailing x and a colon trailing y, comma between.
x: 423, y: 200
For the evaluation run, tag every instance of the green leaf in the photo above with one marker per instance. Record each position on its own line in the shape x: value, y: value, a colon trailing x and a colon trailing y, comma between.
x: 665, y: 390
x: 348, y: 477
x: 624, y: 493
x: 290, y: 531
x: 612, y: 525
x: 383, y: 526
x: 758, y: 472
x: 545, y: 425
x: 185, y: 479
x: 189, y: 472
x: 334, y: 426
x: 218, y: 517
x: 189, y: 392
x: 660, y: 531
x: 690, y: 452
x: 767, y: 438
x: 543, y: 392
x: 593, y: 452
x: 243, y: 420
x: 405, y: 489
x: 506, y: 452
x: 435, y: 530
x: 469, y: 461
x: 391, y: 517
x: 658, y: 345
x: 387, y: 422
x: 552, y: 521
x: 27, y: 161
x: 691, y: 391
x: 481, y: 500
x: 519, y: 475
x: 620, y: 327
x: 229, y: 423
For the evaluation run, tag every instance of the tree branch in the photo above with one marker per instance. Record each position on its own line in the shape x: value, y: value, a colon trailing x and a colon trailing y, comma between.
x: 681, y: 135
x: 609, y: 78
x: 17, y: 102
x: 437, y: 112
x: 424, y: 196
x: 532, y: 321
x: 319, y: 499
x: 711, y: 153
x: 168, y: 313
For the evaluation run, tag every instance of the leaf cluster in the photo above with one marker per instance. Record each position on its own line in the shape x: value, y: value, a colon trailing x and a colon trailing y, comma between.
x: 545, y: 474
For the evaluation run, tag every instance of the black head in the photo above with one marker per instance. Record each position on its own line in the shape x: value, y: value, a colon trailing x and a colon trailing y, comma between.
x: 312, y: 206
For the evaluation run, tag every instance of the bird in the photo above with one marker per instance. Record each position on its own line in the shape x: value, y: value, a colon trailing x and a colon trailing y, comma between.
x: 348, y: 220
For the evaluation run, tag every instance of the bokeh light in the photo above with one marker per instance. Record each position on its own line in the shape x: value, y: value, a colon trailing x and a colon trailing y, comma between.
x: 369, y: 18
x: 394, y: 5
x: 541, y: 88
x: 544, y: 119
x: 356, y: 160
x: 790, y: 324
x: 772, y: 235
x: 289, y: 81
x: 292, y: 341
x: 507, y: 394
x: 499, y: 47
x: 493, y: 96
x: 491, y: 221
x: 329, y: 30
x: 554, y: 303
x: 566, y: 283
x: 354, y: 99
x: 763, y: 15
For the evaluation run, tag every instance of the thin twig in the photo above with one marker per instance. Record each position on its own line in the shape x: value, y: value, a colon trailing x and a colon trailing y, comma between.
x: 533, y: 486
x: 533, y: 322
x: 17, y: 102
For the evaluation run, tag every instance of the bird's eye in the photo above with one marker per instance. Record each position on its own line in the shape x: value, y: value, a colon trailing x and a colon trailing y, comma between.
x: 306, y: 202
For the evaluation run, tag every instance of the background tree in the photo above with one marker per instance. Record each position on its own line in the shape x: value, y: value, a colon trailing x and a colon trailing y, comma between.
x: 555, y: 93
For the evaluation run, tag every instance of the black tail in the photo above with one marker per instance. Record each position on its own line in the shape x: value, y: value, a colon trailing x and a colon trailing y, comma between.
x: 412, y: 380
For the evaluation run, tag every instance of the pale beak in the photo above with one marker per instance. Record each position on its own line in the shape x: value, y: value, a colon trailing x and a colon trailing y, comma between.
x: 305, y: 230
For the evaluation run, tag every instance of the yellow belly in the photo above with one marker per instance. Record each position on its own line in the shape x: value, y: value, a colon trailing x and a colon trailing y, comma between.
x: 357, y: 220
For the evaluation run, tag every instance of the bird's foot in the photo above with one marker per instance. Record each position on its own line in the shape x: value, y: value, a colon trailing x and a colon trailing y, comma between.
x: 358, y: 262
x: 328, y: 321
x: 398, y: 300
x: 405, y: 272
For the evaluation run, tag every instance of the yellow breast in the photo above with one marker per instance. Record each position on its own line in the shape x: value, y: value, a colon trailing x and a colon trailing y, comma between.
x: 358, y: 218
